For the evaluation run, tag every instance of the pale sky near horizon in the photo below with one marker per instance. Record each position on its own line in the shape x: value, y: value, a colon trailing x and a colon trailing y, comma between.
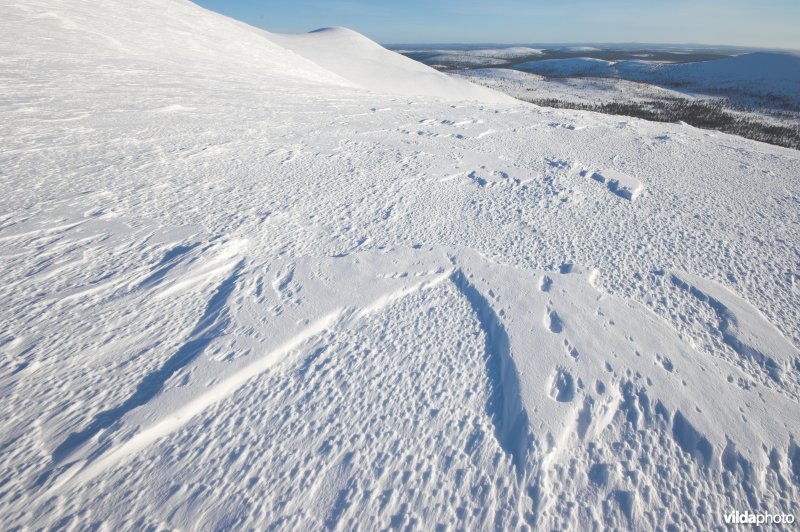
x: 765, y: 24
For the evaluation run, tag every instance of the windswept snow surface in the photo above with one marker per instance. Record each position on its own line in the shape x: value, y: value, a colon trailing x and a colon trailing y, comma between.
x: 242, y: 291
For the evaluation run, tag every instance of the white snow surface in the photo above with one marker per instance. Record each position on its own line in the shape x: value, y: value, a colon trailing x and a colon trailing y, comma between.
x: 254, y: 281
x: 369, y: 65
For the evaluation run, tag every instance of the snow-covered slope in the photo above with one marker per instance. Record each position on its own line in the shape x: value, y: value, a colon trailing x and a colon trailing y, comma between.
x: 151, y: 34
x: 772, y: 74
x: 177, y: 35
x: 240, y: 291
x: 369, y: 65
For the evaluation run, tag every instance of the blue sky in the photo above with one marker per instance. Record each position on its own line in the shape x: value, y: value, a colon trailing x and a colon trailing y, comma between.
x: 766, y: 23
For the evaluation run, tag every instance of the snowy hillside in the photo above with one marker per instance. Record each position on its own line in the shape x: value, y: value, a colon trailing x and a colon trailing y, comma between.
x: 772, y: 74
x: 760, y: 74
x: 367, y: 64
x: 258, y: 281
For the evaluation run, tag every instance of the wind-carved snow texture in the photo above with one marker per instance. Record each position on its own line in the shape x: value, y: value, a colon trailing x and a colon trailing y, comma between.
x: 211, y: 324
x: 244, y: 291
x: 622, y: 185
x: 505, y: 408
x: 743, y: 327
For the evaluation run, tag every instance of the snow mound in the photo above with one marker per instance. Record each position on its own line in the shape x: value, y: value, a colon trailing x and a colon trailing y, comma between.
x: 176, y: 35
x: 371, y: 66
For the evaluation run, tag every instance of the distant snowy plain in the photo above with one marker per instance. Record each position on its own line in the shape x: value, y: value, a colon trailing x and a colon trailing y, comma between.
x: 256, y: 281
x: 754, y: 93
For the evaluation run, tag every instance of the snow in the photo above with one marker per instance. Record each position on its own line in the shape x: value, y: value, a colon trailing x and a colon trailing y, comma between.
x: 369, y: 65
x: 771, y: 74
x: 463, y: 59
x: 577, y: 90
x: 259, y: 281
x: 619, y: 183
x: 510, y: 52
x: 581, y: 49
x: 762, y: 74
x: 474, y: 58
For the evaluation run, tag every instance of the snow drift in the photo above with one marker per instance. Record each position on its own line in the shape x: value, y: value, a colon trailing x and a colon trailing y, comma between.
x: 242, y: 291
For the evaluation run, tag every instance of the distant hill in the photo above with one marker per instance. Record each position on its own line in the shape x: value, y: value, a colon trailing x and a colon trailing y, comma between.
x: 757, y: 74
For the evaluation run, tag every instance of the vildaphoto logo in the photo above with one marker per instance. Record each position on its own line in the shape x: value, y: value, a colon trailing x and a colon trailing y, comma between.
x: 758, y: 519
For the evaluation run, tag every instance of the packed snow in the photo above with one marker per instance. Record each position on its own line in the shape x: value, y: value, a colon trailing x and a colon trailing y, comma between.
x: 259, y: 281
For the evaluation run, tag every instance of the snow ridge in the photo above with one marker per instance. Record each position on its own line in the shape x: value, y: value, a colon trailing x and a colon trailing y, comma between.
x: 506, y: 409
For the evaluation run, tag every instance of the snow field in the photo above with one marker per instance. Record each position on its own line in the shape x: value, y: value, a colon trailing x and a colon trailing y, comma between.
x: 237, y: 295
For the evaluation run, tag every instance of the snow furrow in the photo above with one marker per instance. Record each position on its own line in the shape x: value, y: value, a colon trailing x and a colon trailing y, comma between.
x: 260, y: 282
x: 212, y: 323
x: 505, y: 406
